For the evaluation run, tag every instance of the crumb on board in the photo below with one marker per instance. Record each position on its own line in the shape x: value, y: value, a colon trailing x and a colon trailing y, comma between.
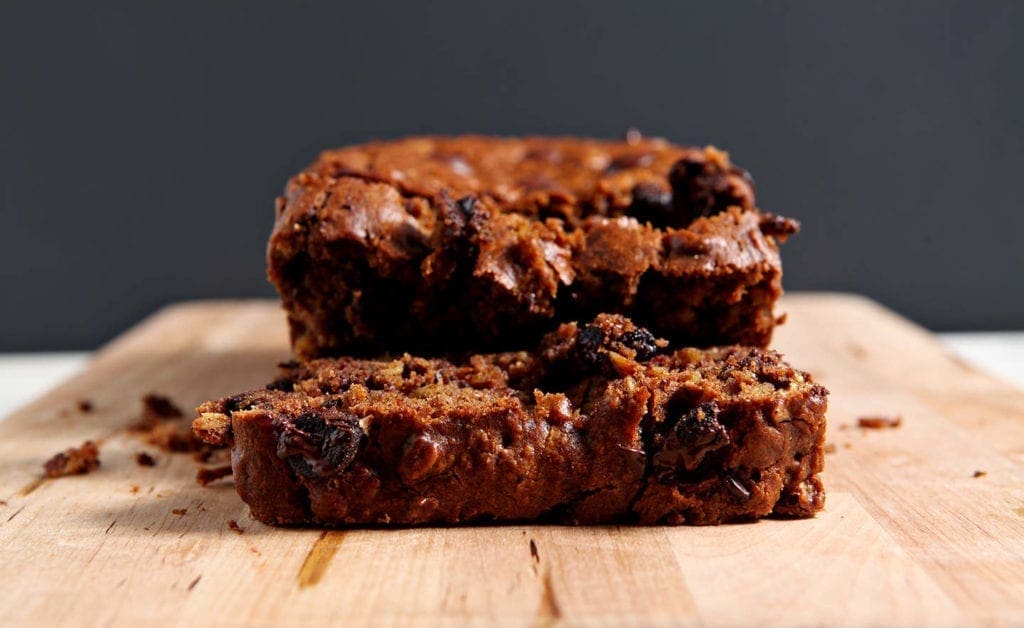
x: 73, y: 461
x: 156, y: 406
x: 878, y: 422
x: 143, y: 459
x: 978, y: 473
x: 179, y: 511
x: 212, y: 474
x: 847, y: 445
x: 135, y: 488
x: 84, y: 405
x: 162, y: 425
x: 830, y: 448
x: 156, y: 409
x: 173, y: 437
x: 233, y: 525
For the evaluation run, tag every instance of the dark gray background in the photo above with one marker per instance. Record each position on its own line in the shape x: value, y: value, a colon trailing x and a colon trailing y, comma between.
x: 141, y: 147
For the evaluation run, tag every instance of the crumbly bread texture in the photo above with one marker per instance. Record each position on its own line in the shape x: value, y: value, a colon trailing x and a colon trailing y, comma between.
x: 602, y: 423
x: 73, y: 461
x: 436, y: 245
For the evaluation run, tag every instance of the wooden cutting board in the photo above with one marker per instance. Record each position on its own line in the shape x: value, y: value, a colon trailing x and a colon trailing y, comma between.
x: 909, y: 536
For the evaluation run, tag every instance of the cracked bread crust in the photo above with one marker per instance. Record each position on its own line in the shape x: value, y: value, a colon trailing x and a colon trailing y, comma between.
x: 443, y: 245
x: 603, y: 423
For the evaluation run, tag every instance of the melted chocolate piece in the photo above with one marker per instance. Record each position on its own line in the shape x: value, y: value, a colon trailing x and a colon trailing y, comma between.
x: 314, y: 444
x: 642, y: 342
x: 736, y: 488
x: 651, y: 203
x: 689, y: 439
x: 702, y: 187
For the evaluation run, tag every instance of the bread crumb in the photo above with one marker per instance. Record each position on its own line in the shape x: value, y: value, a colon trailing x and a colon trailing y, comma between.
x: 84, y: 405
x: 879, y: 422
x: 73, y: 461
x: 233, y: 525
x: 978, y: 473
x: 212, y: 474
x: 179, y: 511
x: 159, y: 407
x: 161, y: 424
x: 830, y: 448
x: 155, y: 410
x: 144, y: 460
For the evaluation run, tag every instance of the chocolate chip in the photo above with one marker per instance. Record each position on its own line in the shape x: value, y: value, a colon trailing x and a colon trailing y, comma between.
x: 466, y: 204
x: 314, y: 445
x: 651, y: 203
x: 589, y: 344
x: 642, y: 341
x: 333, y: 401
x: 649, y: 194
x: 311, y: 424
x: 420, y: 457
x: 690, y: 438
x: 692, y: 190
x: 736, y: 488
x: 690, y: 167
x: 702, y: 187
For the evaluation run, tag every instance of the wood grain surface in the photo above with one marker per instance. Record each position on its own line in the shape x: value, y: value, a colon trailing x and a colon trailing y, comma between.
x: 910, y: 535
